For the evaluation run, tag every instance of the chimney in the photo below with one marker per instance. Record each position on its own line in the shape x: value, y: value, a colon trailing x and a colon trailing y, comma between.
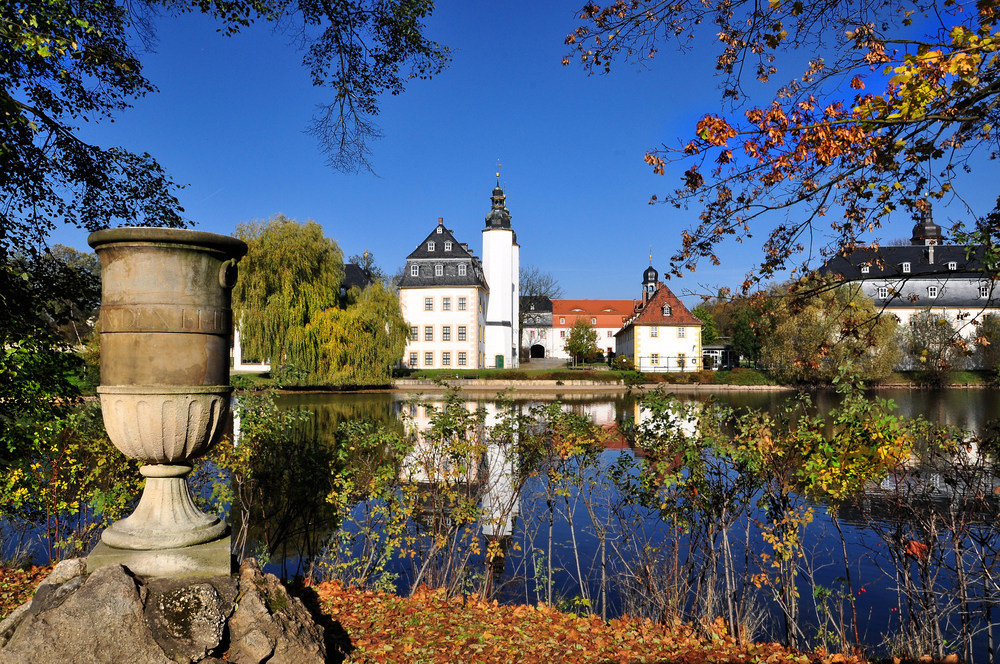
x: 440, y: 221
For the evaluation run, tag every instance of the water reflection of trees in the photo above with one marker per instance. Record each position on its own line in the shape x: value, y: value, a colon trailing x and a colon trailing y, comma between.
x: 680, y: 511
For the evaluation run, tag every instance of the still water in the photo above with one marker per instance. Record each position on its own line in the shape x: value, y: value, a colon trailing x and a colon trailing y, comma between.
x: 584, y: 546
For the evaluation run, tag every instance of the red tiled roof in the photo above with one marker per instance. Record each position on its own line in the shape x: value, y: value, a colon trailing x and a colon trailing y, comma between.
x: 652, y: 312
x: 609, y: 313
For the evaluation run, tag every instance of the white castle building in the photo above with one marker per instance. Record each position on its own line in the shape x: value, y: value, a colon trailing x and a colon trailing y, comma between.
x: 463, y: 312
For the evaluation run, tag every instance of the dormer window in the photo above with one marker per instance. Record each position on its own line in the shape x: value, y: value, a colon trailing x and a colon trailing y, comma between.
x: 932, y: 291
x: 447, y: 245
x: 439, y: 228
x: 984, y: 290
x: 668, y: 310
x: 883, y: 292
x: 865, y: 269
x: 952, y: 265
x: 414, y: 271
x: 906, y: 268
x: 430, y: 245
x: 439, y: 270
x: 461, y: 269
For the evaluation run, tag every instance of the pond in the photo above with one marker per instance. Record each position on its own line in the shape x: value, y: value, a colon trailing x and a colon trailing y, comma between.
x: 586, y: 502
x: 902, y: 569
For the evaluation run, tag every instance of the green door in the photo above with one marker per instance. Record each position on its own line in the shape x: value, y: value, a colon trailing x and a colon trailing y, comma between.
x: 499, y: 361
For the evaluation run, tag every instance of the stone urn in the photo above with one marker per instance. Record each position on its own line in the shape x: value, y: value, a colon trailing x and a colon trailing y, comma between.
x: 165, y: 326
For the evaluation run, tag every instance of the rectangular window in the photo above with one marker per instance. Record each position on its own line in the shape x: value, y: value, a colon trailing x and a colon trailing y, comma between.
x: 461, y: 333
x: 562, y: 334
x: 654, y: 359
x: 984, y: 291
x: 413, y: 359
x: 461, y: 304
x: 610, y: 334
x: 883, y: 292
x: 446, y: 359
x: 429, y: 333
x: 461, y: 269
x: 414, y: 270
x: 430, y: 245
x: 428, y: 359
x: 906, y: 268
x: 681, y: 332
x: 681, y: 359
x: 414, y: 333
x: 428, y: 304
x: 446, y: 303
x: 446, y: 333
x: 439, y: 270
x: 654, y: 331
x: 461, y: 359
x: 932, y: 291
x: 447, y: 245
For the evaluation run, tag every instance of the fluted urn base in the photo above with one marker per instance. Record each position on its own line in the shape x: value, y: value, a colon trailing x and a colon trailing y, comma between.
x: 166, y: 517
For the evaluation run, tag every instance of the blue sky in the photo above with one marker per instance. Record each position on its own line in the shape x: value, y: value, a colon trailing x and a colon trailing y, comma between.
x: 229, y: 120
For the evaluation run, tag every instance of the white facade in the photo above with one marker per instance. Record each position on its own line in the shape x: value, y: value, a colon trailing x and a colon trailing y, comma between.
x: 446, y: 327
x: 501, y: 265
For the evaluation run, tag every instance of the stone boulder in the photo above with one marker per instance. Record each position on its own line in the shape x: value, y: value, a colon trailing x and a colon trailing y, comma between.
x: 112, y: 616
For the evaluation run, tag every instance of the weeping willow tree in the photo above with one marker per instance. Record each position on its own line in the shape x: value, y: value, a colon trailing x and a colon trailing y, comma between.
x: 291, y: 274
x: 288, y: 306
x: 362, y: 342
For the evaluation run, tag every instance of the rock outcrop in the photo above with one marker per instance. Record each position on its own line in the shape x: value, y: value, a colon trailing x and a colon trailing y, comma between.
x: 112, y: 616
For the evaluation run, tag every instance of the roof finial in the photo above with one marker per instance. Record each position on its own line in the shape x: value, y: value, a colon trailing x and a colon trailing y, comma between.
x: 499, y: 166
x: 650, y: 254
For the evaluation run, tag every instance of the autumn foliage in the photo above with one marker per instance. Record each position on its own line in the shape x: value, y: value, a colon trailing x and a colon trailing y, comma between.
x: 885, y: 114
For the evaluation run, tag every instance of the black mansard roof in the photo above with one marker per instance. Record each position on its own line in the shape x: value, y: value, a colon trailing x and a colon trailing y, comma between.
x: 924, y: 261
x: 440, y: 248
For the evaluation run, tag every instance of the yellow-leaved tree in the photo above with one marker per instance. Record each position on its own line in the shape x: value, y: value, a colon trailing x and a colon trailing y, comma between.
x: 288, y: 307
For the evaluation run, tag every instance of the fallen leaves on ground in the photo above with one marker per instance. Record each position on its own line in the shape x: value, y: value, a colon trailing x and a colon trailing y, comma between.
x: 431, y: 627
x: 18, y: 585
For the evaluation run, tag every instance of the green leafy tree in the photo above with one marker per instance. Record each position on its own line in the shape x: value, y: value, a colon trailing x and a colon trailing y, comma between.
x: 709, y: 331
x: 291, y: 274
x: 287, y: 303
x: 66, y: 64
x: 749, y: 328
x: 884, y: 114
x: 47, y: 298
x: 933, y: 347
x: 366, y: 262
x: 363, y: 342
x: 988, y: 343
x: 581, y: 343
x: 813, y: 337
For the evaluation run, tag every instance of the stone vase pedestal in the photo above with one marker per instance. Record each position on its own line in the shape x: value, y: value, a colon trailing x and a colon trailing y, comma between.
x: 165, y: 326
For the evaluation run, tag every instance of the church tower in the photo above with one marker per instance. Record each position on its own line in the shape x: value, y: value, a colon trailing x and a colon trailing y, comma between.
x: 501, y: 265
